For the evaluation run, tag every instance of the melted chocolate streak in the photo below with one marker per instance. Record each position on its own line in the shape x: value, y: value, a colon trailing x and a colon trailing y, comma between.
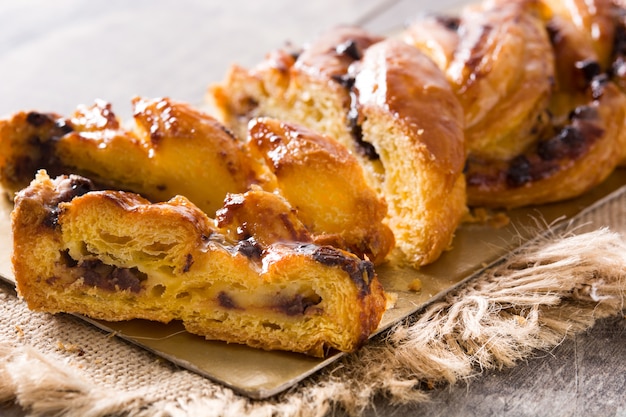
x: 351, y: 50
x: 50, y: 130
x: 571, y: 142
x: 78, y: 186
x: 95, y: 273
x: 361, y: 272
x: 619, y: 47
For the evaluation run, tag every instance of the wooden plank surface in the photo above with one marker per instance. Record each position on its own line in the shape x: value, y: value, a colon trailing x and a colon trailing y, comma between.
x: 584, y: 376
x: 55, y: 55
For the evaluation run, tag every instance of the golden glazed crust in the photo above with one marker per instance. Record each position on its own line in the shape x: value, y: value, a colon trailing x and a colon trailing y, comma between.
x: 325, y: 185
x: 577, y: 158
x: 588, y: 35
x: 543, y: 121
x: 114, y: 256
x: 175, y: 149
x: 595, y: 20
x: 317, y: 88
x: 499, y: 63
x: 422, y: 156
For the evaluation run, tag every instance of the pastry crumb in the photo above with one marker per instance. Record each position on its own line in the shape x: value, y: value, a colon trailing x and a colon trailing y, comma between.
x: 415, y: 285
x: 70, y: 348
x: 391, y: 298
x: 481, y: 215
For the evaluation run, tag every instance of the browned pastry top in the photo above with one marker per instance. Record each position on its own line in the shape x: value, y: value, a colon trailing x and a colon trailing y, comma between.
x: 334, y: 51
x: 396, y: 77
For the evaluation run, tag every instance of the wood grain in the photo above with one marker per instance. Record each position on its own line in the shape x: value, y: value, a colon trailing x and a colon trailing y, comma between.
x: 583, y: 376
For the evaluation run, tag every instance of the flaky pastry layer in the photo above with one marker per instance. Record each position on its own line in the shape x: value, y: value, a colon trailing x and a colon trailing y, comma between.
x: 113, y: 255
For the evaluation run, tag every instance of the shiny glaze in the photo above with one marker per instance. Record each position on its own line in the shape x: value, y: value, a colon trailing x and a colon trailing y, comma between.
x: 257, y: 219
x: 402, y: 81
x: 27, y: 143
x: 173, y: 149
x: 330, y: 56
x: 285, y: 144
x: 496, y: 56
x: 569, y: 139
x: 95, y: 118
x: 593, y: 19
x: 325, y: 184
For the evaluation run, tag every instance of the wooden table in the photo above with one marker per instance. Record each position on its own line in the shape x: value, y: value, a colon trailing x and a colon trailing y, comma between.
x: 55, y: 55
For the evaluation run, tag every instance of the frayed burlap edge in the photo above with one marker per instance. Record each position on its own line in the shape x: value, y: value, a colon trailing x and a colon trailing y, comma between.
x: 552, y: 289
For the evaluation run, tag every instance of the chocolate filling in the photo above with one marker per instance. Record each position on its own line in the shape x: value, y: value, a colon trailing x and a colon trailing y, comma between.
x: 250, y: 248
x: 363, y: 147
x: 40, y: 152
x: 618, y: 67
x: 361, y: 272
x: 188, y: 262
x: 571, y: 142
x: 351, y: 49
x: 297, y: 305
x: 96, y: 273
x: 246, y: 107
x: 68, y: 188
x: 555, y: 33
x: 590, y: 69
x: 449, y: 22
x: 519, y: 172
x: 38, y: 119
x: 226, y: 301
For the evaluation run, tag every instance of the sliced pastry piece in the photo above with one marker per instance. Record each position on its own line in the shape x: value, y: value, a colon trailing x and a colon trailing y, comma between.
x: 307, y: 86
x: 386, y: 102
x: 325, y: 185
x: 112, y: 255
x: 175, y: 149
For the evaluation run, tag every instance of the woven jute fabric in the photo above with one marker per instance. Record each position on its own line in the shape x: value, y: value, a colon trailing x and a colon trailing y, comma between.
x: 551, y: 288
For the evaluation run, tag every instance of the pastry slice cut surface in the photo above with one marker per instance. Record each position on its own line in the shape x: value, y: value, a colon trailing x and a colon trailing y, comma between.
x: 113, y: 255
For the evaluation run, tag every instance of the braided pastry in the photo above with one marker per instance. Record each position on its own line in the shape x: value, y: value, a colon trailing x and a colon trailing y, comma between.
x: 589, y: 36
x: 340, y: 150
x: 269, y: 271
x: 325, y: 185
x: 113, y: 255
x: 173, y: 149
x: 178, y: 150
x: 384, y: 101
x: 543, y: 121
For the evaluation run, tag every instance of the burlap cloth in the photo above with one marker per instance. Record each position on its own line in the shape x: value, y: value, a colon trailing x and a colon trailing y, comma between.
x: 553, y: 287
